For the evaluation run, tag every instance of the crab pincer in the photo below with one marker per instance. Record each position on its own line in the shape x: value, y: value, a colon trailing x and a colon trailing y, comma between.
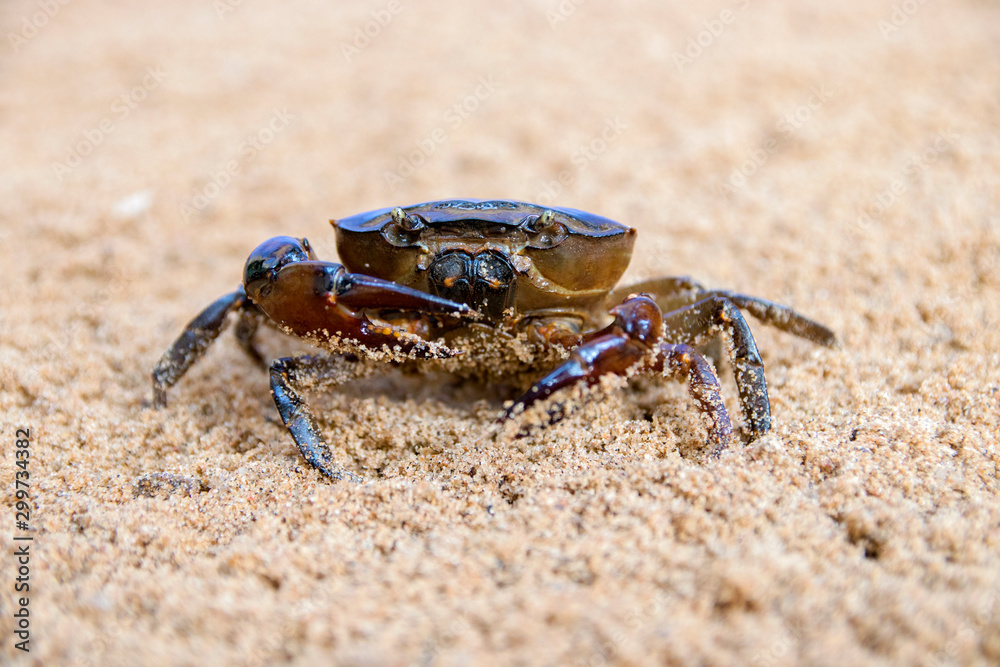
x: 630, y: 344
x: 322, y: 301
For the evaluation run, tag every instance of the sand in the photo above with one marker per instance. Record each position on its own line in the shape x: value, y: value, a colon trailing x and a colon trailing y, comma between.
x: 842, y: 159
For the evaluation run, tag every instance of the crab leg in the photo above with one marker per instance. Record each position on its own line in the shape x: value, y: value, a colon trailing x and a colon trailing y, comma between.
x: 696, y: 323
x: 199, y: 334
x: 246, y: 328
x: 676, y: 292
x: 682, y: 361
x: 780, y: 317
x: 664, y: 290
x: 628, y: 345
x: 289, y: 376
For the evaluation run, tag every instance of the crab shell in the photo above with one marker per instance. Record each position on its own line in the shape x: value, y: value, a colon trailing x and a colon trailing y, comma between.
x: 559, y: 259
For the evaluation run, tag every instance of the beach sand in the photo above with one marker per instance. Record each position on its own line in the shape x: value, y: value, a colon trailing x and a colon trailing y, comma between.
x: 842, y: 160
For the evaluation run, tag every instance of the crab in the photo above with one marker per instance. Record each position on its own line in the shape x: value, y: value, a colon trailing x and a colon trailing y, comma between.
x: 500, y: 290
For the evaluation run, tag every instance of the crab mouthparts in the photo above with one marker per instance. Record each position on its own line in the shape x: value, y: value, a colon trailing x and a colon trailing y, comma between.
x: 484, y: 281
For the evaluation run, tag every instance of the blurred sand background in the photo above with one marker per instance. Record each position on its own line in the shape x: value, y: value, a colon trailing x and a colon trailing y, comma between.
x: 843, y: 158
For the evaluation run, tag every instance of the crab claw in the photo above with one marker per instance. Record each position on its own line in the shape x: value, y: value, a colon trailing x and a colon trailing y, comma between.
x: 321, y: 301
x: 358, y: 292
x: 632, y: 343
x: 610, y: 353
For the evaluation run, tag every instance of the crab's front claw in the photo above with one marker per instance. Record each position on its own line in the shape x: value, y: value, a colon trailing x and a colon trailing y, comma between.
x: 630, y: 344
x: 321, y: 301
x: 358, y: 292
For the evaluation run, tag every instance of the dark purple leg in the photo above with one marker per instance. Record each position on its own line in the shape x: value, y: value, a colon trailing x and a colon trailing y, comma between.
x: 199, y: 334
x: 672, y: 293
x: 683, y: 362
x: 289, y: 376
x: 780, y: 317
x: 699, y: 322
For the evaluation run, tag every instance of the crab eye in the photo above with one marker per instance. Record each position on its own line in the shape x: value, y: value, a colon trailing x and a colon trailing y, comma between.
x: 405, y: 228
x: 536, y: 223
x: 408, y: 222
x: 543, y: 231
x: 308, y: 248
